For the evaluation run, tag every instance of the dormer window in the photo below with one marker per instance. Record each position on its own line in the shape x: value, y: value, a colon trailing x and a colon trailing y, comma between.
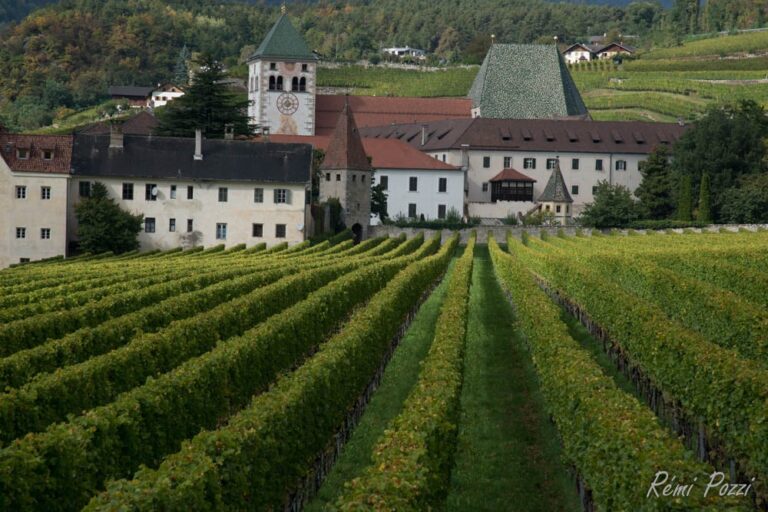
x: 22, y: 153
x: 47, y: 154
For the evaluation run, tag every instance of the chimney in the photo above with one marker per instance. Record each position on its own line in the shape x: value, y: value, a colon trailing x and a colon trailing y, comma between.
x: 423, y: 134
x: 198, y: 144
x: 229, y: 131
x: 116, y: 135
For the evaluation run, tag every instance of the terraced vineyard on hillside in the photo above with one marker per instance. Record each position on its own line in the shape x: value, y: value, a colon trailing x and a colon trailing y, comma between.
x: 397, y: 374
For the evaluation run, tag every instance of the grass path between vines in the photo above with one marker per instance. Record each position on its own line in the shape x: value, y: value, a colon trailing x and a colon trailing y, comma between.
x: 508, y: 454
x: 399, y: 378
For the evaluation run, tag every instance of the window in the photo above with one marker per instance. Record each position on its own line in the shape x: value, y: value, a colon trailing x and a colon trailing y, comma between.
x: 279, y: 83
x: 190, y: 225
x: 551, y: 163
x: 575, y: 190
x: 302, y: 84
x: 384, y: 182
x: 485, y: 187
x: 45, y: 233
x: 354, y: 178
x: 190, y: 192
x: 529, y: 163
x: 507, y: 162
x: 444, y: 158
x: 486, y: 162
x: 272, y: 66
x: 441, y: 211
x: 258, y: 195
x: 546, y: 208
x: 172, y: 225
x: 575, y: 164
x: 223, y: 194
x: 21, y: 192
x: 557, y: 208
x: 413, y: 184
x: 150, y: 192
x: 128, y: 191
x: 22, y: 154
x: 23, y: 260
x: 45, y: 193
x: 272, y: 83
x: 295, y: 84
x: 511, y: 190
x: 21, y: 232
x: 598, y: 165
x: 85, y: 189
x: 221, y: 231
x: 282, y: 196
x: 47, y: 154
x: 594, y: 190
x: 362, y: 178
x: 621, y: 165
x: 258, y: 230
x: 173, y: 191
x: 279, y: 230
x: 338, y: 176
x: 412, y: 210
x: 149, y: 224
x: 304, y: 67
x: 327, y: 176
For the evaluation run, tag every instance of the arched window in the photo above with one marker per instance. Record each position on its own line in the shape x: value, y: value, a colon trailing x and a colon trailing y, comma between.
x: 295, y: 84
x: 272, y: 82
x: 279, y: 83
x: 303, y: 84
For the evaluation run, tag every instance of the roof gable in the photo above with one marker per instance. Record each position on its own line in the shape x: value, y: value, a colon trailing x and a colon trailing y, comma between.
x: 512, y: 175
x: 556, y: 191
x: 525, y: 81
x: 283, y: 41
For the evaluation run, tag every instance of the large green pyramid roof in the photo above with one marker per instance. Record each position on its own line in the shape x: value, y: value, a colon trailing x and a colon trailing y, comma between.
x: 525, y: 81
x: 283, y: 41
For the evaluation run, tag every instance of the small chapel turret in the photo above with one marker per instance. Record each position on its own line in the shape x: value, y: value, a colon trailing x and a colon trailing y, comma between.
x: 281, y: 82
x: 556, y: 198
x: 347, y: 173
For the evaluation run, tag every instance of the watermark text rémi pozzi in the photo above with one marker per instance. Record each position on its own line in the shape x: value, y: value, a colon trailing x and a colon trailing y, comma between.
x: 665, y: 485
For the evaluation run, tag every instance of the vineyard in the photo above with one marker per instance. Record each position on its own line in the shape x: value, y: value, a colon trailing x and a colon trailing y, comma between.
x: 556, y: 373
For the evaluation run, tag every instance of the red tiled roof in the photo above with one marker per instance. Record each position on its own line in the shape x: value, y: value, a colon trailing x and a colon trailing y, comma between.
x: 384, y: 153
x: 345, y: 149
x: 61, y: 145
x: 384, y: 110
x: 512, y: 175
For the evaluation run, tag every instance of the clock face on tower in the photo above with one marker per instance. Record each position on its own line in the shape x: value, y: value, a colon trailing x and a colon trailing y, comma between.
x: 287, y: 103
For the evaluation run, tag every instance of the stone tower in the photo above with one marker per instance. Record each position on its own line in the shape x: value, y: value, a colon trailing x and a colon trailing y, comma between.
x: 281, y: 82
x: 556, y: 198
x: 347, y: 174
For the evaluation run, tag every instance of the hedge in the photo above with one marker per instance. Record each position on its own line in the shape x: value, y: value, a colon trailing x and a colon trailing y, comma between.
x: 411, y: 464
x: 60, y: 468
x: 256, y: 459
x: 614, y: 442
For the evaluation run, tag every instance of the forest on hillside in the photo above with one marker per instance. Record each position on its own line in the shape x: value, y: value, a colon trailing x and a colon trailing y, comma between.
x: 65, y: 55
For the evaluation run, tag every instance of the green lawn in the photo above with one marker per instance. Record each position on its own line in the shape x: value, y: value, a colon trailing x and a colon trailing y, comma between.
x: 508, y: 451
x: 399, y: 378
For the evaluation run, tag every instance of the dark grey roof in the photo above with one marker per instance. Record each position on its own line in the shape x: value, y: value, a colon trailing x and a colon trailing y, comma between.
x: 172, y: 158
x: 130, y: 91
x: 556, y: 191
x: 526, y: 81
x: 550, y: 135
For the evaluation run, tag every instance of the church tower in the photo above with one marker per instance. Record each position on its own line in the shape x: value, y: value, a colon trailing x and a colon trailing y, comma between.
x: 281, y: 82
x: 347, y: 173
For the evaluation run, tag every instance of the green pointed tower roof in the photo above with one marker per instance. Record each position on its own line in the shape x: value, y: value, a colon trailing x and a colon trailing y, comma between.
x: 283, y: 42
x: 556, y: 191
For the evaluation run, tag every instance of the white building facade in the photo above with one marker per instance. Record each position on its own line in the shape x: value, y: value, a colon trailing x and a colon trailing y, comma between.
x: 413, y: 193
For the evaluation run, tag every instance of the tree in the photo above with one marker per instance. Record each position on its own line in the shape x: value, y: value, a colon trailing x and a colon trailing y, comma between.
x: 103, y: 226
x: 207, y: 104
x: 475, y: 51
x: 747, y: 203
x: 613, y: 207
x: 181, y: 71
x: 685, y: 199
x: 379, y: 201
x: 655, y: 191
x: 704, y: 213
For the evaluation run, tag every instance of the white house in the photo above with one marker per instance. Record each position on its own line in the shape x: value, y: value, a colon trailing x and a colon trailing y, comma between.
x: 405, y: 51
x: 195, y: 191
x: 588, y: 151
x: 578, y: 53
x: 163, y: 94
x: 34, y: 175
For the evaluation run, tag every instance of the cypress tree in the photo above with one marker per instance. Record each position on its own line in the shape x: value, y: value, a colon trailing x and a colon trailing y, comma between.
x: 684, y: 199
x: 704, y: 213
